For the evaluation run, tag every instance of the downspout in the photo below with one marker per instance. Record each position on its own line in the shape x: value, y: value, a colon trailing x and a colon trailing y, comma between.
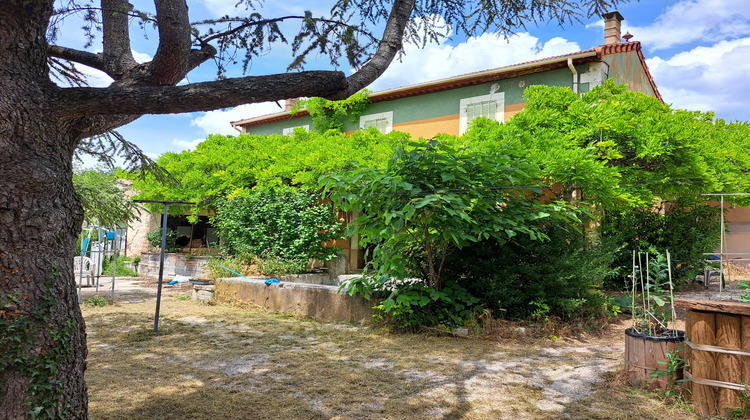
x: 575, y: 75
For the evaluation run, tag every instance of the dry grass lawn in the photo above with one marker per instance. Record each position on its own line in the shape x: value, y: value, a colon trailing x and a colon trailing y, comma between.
x: 221, y: 362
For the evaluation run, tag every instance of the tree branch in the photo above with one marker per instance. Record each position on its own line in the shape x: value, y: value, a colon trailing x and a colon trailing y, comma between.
x: 170, y: 64
x: 206, y: 96
x: 117, y: 56
x: 95, y: 61
x: 389, y: 46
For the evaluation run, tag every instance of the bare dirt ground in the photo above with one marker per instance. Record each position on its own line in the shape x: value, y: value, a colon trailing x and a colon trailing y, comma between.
x: 239, y: 363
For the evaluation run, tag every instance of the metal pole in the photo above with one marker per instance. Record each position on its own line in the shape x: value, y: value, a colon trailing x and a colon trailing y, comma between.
x: 114, y: 265
x: 721, y: 262
x: 161, y: 265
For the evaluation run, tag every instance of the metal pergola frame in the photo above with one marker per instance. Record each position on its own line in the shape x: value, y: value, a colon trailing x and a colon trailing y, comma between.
x: 722, y: 247
x: 163, y: 246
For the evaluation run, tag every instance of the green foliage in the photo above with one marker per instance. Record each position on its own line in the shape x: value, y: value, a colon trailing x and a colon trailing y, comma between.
x: 121, y: 270
x: 690, y: 231
x: 223, y: 165
x: 743, y: 411
x: 674, y: 365
x: 409, y: 303
x: 433, y: 196
x: 19, y: 346
x: 330, y: 115
x: 525, y: 278
x: 624, y: 148
x: 214, y: 269
x: 154, y: 239
x: 103, y: 197
x: 97, y: 301
x: 652, y: 293
x: 269, y: 265
x: 744, y: 285
x: 279, y: 224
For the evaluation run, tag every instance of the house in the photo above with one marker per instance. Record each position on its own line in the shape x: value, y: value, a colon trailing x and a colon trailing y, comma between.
x: 449, y: 105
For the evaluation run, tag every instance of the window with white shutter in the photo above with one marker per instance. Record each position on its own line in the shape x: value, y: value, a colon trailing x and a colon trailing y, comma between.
x: 487, y: 106
x: 383, y: 121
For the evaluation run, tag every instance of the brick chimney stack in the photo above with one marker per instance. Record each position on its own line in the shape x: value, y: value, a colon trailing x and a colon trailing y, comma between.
x: 612, y: 27
x: 289, y: 103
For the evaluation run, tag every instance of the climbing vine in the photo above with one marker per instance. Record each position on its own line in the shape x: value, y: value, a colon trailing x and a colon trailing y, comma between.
x: 21, y: 325
x: 330, y: 115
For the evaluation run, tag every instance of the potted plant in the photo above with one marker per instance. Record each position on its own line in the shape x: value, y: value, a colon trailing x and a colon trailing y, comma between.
x: 653, y: 344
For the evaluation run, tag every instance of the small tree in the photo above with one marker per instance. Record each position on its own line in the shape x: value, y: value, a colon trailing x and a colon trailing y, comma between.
x: 433, y: 196
x: 103, y: 197
x: 278, y: 222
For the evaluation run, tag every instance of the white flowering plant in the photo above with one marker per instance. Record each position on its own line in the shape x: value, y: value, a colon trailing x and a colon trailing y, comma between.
x: 410, y: 303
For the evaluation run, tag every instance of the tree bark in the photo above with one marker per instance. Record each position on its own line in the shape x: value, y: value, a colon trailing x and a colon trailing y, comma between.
x: 43, y: 333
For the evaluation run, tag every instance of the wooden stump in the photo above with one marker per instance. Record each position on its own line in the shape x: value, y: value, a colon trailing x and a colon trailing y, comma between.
x: 728, y: 367
x: 702, y: 365
x: 718, y: 360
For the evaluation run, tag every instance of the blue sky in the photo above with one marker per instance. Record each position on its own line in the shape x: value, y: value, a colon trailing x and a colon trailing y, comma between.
x: 698, y: 52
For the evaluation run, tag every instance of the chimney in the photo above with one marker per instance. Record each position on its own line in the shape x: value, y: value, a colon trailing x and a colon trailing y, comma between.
x: 612, y: 27
x: 289, y: 104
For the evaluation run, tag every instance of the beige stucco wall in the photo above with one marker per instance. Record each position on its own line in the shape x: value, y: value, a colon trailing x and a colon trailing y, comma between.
x: 738, y: 237
x: 137, y: 243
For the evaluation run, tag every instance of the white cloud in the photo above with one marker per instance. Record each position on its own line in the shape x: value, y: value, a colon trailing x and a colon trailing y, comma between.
x: 218, y: 122
x: 707, y: 78
x: 218, y: 8
x: 184, y: 145
x: 477, y: 53
x: 692, y: 21
x: 141, y: 57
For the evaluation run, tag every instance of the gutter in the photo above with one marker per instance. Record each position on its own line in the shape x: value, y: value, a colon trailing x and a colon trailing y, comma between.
x: 575, y: 75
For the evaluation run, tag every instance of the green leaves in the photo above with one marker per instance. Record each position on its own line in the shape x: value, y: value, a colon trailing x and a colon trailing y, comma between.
x: 278, y: 222
x: 103, y: 197
x: 223, y: 166
x: 623, y: 148
x: 436, y: 195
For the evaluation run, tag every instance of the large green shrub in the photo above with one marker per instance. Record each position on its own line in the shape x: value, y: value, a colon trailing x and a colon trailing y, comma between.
x: 686, y: 231
x: 436, y: 195
x: 279, y: 222
x: 409, y: 303
x: 516, y: 278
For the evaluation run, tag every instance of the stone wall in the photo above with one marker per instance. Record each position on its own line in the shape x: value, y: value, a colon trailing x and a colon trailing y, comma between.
x: 174, y: 264
x: 318, y: 301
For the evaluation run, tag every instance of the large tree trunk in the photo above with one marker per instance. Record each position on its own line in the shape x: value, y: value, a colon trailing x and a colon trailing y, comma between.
x: 42, y: 333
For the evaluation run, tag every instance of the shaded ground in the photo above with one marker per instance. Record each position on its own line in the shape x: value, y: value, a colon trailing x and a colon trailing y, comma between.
x: 234, y: 363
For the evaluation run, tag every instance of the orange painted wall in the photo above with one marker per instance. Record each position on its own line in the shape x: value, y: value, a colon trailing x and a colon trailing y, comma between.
x: 429, y: 127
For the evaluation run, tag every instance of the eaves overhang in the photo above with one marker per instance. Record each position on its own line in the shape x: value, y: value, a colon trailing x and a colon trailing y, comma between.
x: 468, y: 79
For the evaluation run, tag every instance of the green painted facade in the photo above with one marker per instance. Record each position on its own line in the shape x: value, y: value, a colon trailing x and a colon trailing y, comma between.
x: 626, y: 68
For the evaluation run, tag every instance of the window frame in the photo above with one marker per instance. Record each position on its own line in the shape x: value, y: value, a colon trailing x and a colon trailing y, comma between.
x: 388, y: 116
x: 290, y: 130
x: 497, y: 97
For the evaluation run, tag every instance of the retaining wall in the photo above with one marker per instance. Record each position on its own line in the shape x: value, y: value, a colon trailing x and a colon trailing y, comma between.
x: 174, y: 264
x: 315, y: 300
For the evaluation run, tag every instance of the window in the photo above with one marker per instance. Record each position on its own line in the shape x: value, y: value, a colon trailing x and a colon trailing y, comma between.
x: 487, y: 106
x: 289, y: 131
x: 382, y: 121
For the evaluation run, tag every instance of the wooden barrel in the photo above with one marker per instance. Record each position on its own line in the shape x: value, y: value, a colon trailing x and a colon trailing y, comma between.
x: 718, y: 360
x: 643, y: 353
